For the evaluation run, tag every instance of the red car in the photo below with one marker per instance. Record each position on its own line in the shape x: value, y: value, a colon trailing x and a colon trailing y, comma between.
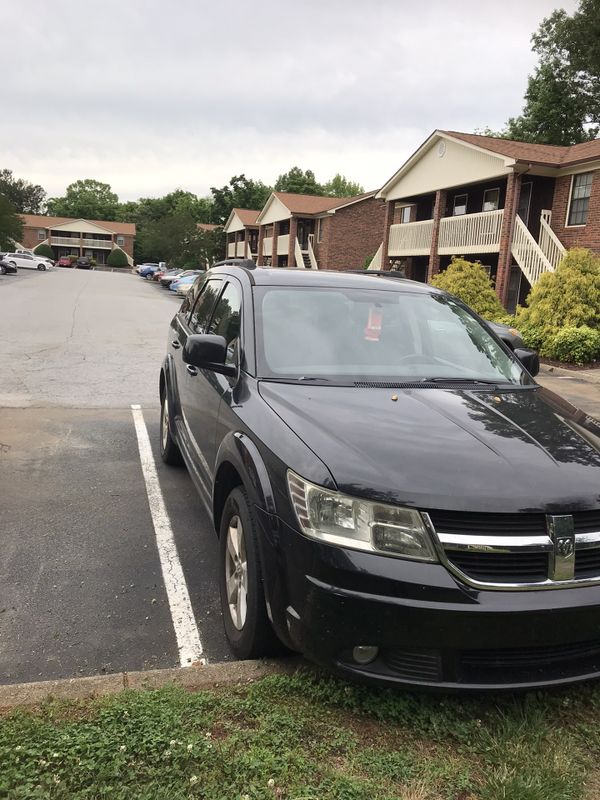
x: 64, y: 261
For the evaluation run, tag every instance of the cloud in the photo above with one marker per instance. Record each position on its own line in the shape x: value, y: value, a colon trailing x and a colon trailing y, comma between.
x: 150, y: 95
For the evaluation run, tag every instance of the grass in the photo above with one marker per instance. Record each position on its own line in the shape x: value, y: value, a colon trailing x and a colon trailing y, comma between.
x: 305, y: 737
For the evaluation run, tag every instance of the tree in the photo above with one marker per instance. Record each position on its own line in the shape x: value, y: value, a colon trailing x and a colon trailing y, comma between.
x: 86, y: 199
x: 176, y: 239
x: 117, y: 258
x: 240, y: 192
x: 11, y: 225
x: 298, y: 182
x: 340, y: 186
x: 27, y: 198
x: 562, y: 102
x: 553, y: 112
x: 469, y: 281
x: 44, y: 250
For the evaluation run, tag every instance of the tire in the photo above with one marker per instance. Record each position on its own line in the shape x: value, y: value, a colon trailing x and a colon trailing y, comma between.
x: 247, y: 626
x: 13, y: 264
x: 41, y: 267
x: 2, y: 269
x: 169, y: 451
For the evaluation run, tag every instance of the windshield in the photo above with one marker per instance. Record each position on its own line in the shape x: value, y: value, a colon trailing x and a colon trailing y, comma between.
x: 349, y: 335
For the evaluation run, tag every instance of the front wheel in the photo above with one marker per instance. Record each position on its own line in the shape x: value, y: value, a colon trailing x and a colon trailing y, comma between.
x: 247, y: 626
x: 2, y: 269
x: 41, y: 267
x: 169, y: 451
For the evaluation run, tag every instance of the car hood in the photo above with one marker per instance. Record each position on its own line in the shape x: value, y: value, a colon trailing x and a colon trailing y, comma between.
x: 501, y: 451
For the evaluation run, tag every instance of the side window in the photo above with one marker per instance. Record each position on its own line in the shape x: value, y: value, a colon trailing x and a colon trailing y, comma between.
x: 226, y: 319
x: 204, y: 305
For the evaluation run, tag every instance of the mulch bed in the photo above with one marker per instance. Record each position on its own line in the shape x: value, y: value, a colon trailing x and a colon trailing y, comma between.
x: 564, y: 365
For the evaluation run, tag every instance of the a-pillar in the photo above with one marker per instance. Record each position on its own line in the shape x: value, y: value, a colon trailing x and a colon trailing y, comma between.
x: 292, y: 244
x: 511, y: 204
x: 439, y: 210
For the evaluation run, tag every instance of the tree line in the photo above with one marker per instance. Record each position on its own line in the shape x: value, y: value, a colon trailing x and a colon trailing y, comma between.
x: 167, y: 227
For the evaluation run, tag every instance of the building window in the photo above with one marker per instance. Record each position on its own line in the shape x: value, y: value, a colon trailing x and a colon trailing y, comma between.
x: 491, y: 200
x: 460, y: 205
x: 405, y: 214
x: 120, y: 241
x: 581, y: 188
x: 320, y: 229
x: 41, y: 235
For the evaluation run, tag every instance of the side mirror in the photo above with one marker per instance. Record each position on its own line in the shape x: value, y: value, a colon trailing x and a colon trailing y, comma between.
x: 529, y: 359
x: 208, y: 351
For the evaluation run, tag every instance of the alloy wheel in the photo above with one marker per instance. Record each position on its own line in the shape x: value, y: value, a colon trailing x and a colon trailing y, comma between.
x: 236, y: 572
x: 164, y: 432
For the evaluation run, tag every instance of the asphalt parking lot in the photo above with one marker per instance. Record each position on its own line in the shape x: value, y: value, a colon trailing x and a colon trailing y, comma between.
x: 82, y: 589
x: 84, y: 586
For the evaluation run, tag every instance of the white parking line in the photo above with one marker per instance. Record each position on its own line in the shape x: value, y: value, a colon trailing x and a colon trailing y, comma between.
x: 186, y: 630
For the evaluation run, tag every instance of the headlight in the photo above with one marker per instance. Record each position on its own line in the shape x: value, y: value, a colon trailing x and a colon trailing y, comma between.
x: 349, y: 522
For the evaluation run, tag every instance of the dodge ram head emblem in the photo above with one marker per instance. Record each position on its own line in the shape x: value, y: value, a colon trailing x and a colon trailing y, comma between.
x: 562, y: 560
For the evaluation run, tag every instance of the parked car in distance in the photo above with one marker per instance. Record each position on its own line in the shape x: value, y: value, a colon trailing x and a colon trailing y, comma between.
x: 168, y: 280
x: 6, y: 268
x: 402, y: 507
x: 64, y: 261
x: 170, y: 275
x: 510, y: 336
x: 183, y: 284
x: 83, y: 262
x: 28, y: 261
x: 146, y: 269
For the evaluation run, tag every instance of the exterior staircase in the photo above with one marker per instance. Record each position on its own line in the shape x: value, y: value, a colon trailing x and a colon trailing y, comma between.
x: 535, y: 258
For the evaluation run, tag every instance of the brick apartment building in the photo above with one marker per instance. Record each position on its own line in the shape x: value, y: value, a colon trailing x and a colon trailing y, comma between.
x: 315, y: 232
x: 513, y: 206
x: 80, y: 237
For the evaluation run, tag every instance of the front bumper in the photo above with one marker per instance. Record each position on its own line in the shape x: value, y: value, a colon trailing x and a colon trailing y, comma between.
x: 432, y: 630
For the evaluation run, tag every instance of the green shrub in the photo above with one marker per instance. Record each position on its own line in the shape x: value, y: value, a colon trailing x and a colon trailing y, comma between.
x: 44, y: 250
x: 569, y: 296
x: 117, y: 258
x: 578, y: 345
x: 72, y: 258
x: 93, y: 262
x: 469, y: 281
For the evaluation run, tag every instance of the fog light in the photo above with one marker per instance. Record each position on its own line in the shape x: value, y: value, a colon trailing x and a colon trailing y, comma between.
x: 365, y: 653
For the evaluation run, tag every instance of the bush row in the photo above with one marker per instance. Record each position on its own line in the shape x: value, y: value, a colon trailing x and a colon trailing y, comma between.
x: 561, y: 318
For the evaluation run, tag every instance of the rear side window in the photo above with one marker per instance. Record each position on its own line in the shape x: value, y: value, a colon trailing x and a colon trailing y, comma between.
x: 226, y: 318
x: 204, y: 305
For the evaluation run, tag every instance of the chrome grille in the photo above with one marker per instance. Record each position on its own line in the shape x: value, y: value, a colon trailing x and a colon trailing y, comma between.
x: 515, y: 551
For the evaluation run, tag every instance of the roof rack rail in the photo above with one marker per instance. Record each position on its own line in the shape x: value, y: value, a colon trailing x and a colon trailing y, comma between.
x: 245, y: 263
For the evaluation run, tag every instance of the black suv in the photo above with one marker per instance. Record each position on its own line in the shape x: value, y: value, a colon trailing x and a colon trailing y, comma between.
x: 394, y: 495
x: 83, y: 262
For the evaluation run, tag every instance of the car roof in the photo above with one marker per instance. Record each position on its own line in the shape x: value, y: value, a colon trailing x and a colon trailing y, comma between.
x: 325, y: 278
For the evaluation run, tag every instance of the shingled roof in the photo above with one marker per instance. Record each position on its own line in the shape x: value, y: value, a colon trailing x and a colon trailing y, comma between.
x: 39, y: 221
x: 544, y: 154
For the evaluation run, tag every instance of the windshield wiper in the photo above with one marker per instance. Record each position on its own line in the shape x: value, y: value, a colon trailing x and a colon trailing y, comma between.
x: 479, y: 381
x: 304, y: 378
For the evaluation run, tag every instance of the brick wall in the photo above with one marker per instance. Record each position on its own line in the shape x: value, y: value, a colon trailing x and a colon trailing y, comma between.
x: 352, y: 234
x: 587, y: 235
x: 30, y: 238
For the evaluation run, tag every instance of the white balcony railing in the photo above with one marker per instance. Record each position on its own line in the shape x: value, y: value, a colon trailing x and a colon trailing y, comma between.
x: 550, y: 244
x: 241, y: 249
x: 75, y: 241
x: 411, y: 238
x: 283, y: 244
x: 471, y: 233
x: 267, y: 246
x: 528, y: 254
x: 231, y: 250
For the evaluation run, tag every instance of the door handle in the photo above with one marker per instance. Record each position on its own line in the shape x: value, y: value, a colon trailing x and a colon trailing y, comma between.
x: 175, y: 344
x: 192, y: 370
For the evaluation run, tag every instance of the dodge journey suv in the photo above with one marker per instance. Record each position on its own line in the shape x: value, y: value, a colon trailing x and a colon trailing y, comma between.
x: 394, y: 494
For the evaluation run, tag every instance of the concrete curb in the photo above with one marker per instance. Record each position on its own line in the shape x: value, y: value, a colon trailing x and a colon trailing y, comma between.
x: 191, y: 678
x: 587, y: 375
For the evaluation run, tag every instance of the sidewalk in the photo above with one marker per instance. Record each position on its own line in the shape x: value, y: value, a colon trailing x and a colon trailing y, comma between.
x: 579, y: 387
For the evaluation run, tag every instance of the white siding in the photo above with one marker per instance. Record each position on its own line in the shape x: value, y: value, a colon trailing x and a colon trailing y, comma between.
x: 275, y: 212
x: 460, y: 164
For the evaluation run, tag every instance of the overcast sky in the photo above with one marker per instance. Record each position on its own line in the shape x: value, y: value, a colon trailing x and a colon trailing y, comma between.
x: 151, y: 95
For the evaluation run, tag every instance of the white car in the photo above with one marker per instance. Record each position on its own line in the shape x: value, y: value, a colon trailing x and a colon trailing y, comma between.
x: 28, y: 260
x: 184, y: 288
